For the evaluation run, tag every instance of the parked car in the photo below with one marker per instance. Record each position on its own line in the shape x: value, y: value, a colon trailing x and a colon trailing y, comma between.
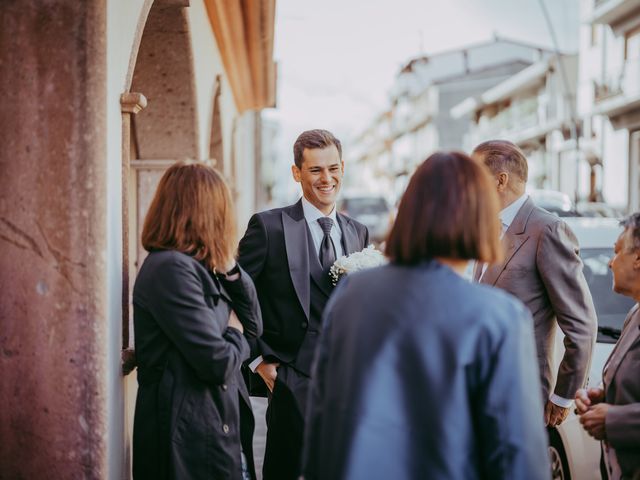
x: 373, y: 211
x: 555, y: 202
x: 598, y: 209
x: 574, y: 454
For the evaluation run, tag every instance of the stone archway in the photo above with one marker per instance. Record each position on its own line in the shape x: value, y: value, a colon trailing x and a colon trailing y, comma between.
x: 164, y: 74
x: 159, y: 126
x: 167, y: 129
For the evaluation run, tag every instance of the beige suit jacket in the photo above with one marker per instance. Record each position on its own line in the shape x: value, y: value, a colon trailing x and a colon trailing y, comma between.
x: 542, y: 269
x: 621, y: 378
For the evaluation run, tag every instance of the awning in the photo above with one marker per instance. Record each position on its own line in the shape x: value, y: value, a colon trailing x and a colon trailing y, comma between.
x: 244, y: 33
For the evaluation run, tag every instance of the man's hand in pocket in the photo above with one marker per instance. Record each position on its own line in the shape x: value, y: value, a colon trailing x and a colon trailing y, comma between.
x: 268, y: 373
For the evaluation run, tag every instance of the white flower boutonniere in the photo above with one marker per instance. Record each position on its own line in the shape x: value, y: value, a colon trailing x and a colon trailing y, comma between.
x: 367, y: 258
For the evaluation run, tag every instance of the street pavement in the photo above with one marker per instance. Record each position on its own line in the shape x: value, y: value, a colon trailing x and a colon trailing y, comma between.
x: 259, y: 405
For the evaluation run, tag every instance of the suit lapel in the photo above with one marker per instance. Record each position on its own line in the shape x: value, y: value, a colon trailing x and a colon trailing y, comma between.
x: 350, y: 238
x: 512, y: 240
x: 296, y: 244
x: 625, y: 342
x: 477, y: 271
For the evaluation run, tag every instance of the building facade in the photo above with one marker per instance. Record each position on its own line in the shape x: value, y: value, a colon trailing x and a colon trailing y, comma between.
x: 419, y: 121
x: 535, y: 109
x: 608, y: 100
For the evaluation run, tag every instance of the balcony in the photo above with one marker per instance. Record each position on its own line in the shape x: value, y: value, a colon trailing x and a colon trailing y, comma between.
x: 617, y: 94
x: 619, y: 14
x: 618, y: 81
x: 522, y: 120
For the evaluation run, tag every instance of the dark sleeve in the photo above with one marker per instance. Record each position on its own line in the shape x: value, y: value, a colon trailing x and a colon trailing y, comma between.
x: 214, y: 351
x: 622, y: 425
x: 560, y: 268
x: 315, y: 396
x: 252, y: 251
x: 245, y: 303
x: 366, y: 237
x: 509, y: 405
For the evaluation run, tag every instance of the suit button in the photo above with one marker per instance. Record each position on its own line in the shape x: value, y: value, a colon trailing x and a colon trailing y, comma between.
x: 304, y: 324
x: 224, y: 387
x: 225, y: 428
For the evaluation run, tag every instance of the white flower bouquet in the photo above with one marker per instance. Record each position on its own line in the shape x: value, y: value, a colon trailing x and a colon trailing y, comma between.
x: 367, y: 258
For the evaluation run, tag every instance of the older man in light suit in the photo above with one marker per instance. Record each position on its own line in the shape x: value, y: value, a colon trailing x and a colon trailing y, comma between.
x: 612, y: 413
x: 541, y: 268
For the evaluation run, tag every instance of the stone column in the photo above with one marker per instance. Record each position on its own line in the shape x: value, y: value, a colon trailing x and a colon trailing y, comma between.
x: 131, y: 104
x: 53, y: 320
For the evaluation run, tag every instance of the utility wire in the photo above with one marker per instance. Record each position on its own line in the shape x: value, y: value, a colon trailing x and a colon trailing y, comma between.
x: 567, y: 92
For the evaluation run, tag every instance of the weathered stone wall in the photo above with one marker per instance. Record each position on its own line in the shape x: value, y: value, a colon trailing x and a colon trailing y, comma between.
x: 53, y: 420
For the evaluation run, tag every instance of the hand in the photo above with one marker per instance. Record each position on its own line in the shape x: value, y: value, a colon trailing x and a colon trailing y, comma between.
x: 234, y: 322
x: 554, y: 415
x: 268, y: 373
x: 593, y: 421
x: 228, y: 265
x: 585, y: 398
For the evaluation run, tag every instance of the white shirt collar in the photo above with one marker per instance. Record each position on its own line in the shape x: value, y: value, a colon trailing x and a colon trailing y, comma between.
x: 312, y: 214
x: 508, y: 213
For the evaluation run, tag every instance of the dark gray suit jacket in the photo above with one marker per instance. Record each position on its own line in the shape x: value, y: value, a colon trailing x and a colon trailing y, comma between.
x: 621, y: 378
x: 275, y: 252
x: 421, y: 374
x: 542, y: 268
x: 192, y: 409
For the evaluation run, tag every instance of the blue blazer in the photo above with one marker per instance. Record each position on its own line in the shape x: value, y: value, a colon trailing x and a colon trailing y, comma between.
x: 421, y: 374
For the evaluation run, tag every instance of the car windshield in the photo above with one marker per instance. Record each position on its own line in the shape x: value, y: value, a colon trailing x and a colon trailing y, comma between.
x: 364, y: 206
x: 611, y: 307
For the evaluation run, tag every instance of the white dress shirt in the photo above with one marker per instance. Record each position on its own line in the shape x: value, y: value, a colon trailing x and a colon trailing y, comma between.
x: 507, y: 214
x: 311, y: 215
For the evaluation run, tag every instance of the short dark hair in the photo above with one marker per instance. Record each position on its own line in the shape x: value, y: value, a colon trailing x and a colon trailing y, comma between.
x: 449, y: 210
x: 314, y: 139
x: 503, y: 156
x: 632, y: 223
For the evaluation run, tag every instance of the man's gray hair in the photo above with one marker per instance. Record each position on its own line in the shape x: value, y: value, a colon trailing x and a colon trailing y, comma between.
x: 632, y: 222
x: 503, y: 156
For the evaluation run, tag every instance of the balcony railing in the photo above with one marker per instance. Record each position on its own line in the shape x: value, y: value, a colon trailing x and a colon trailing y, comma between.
x: 518, y: 117
x: 623, y: 80
x: 614, y: 13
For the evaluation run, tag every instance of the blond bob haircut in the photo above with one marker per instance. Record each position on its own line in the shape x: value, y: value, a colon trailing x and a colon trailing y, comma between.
x: 449, y: 210
x: 192, y: 212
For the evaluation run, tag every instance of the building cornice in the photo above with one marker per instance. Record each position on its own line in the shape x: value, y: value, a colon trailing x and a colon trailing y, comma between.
x: 244, y: 32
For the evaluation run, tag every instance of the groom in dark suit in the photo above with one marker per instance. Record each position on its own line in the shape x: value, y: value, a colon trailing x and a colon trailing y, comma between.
x: 288, y: 252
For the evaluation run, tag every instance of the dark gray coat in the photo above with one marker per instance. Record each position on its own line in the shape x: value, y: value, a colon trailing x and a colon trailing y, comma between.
x: 192, y: 409
x: 275, y: 252
x: 621, y: 377
x: 420, y: 374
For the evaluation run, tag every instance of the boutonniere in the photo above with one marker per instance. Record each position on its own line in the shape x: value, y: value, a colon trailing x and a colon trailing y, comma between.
x: 369, y: 257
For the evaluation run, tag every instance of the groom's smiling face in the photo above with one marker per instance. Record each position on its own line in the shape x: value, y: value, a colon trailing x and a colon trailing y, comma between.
x: 320, y: 176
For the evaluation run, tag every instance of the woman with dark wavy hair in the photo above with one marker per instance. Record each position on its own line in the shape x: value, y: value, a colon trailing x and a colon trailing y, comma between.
x: 420, y: 373
x: 193, y: 306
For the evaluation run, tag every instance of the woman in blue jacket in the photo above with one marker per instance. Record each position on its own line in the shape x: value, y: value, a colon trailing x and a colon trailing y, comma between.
x: 421, y: 374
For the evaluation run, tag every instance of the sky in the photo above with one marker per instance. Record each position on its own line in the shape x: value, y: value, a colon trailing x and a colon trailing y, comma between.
x: 337, y: 59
